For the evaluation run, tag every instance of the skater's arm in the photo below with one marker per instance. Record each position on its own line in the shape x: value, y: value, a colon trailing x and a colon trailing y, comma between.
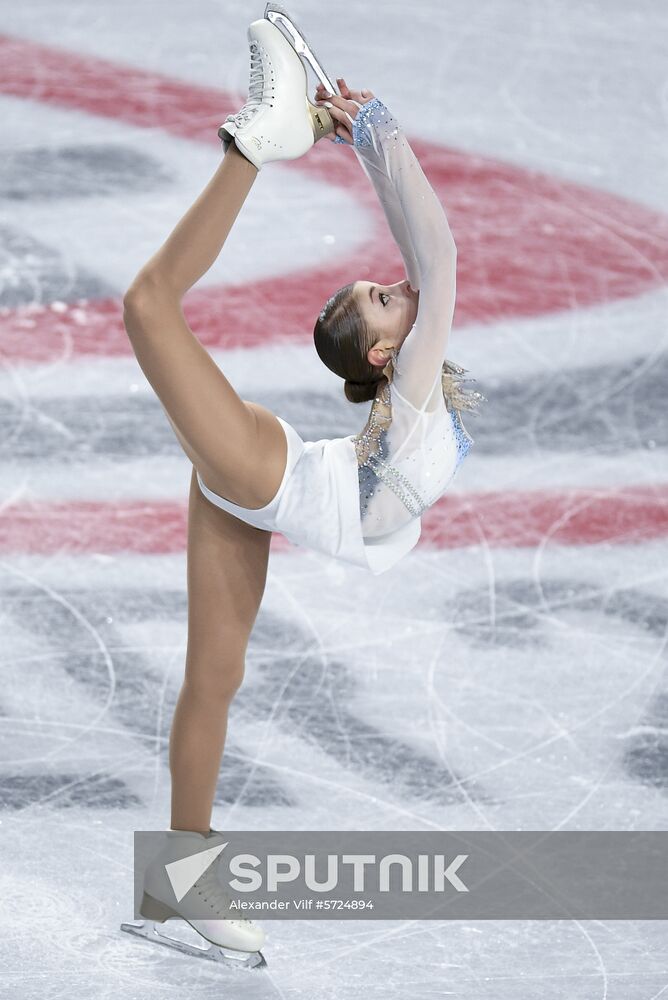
x: 395, y: 171
x: 383, y: 149
x: 374, y: 167
x: 394, y: 213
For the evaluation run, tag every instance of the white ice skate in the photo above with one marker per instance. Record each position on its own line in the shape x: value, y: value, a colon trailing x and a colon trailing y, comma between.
x: 278, y: 121
x: 232, y: 942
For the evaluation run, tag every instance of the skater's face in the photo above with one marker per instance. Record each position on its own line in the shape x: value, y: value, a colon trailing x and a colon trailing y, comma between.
x: 389, y: 310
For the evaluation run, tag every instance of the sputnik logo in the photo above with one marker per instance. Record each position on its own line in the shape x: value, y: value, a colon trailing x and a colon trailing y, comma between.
x: 183, y: 873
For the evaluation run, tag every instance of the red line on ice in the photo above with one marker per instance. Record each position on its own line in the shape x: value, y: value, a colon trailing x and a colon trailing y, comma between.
x: 528, y: 243
x: 625, y: 515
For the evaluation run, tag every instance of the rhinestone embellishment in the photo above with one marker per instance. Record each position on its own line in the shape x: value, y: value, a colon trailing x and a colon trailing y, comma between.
x: 371, y: 448
x: 462, y: 438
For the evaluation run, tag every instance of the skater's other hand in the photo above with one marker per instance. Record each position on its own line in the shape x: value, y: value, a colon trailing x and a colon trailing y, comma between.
x: 343, y: 108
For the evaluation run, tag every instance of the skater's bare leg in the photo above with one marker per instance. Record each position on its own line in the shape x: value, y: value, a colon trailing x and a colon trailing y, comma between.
x: 198, y: 238
x: 239, y: 448
x: 227, y: 569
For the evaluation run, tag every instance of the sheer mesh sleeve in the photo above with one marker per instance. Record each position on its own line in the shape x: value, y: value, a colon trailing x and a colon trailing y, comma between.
x: 420, y: 227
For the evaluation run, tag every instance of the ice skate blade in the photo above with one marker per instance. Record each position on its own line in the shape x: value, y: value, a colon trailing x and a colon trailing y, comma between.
x: 214, y: 953
x: 279, y: 16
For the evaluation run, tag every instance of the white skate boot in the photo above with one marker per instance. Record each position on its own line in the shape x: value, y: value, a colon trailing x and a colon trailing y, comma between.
x: 278, y: 121
x: 233, y: 942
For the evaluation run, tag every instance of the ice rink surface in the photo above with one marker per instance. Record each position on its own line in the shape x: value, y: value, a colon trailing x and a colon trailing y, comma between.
x: 511, y: 672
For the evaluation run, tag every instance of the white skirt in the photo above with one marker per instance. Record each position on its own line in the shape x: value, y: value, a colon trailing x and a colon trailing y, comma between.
x: 317, y: 505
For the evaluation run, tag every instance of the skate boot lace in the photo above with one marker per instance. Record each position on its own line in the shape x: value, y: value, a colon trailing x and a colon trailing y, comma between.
x: 211, y: 891
x: 256, y: 88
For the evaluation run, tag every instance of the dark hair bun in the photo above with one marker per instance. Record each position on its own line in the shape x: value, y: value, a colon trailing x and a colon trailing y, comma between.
x: 361, y: 392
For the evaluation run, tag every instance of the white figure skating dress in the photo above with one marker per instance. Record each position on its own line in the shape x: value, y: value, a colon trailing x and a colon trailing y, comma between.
x: 360, y: 498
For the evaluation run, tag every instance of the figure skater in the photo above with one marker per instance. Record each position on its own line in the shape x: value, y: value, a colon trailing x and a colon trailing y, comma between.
x: 357, y: 498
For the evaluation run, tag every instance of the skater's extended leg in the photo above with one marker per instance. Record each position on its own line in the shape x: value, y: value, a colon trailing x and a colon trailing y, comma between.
x: 197, y: 239
x: 227, y: 570
x: 239, y: 448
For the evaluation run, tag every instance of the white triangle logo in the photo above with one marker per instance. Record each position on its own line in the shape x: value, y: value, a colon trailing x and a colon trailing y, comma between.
x: 183, y: 873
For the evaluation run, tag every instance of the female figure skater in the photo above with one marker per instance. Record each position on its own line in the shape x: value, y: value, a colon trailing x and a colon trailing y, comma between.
x: 358, y: 498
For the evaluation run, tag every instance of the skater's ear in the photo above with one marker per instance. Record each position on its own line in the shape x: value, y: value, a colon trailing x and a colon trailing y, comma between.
x: 380, y: 353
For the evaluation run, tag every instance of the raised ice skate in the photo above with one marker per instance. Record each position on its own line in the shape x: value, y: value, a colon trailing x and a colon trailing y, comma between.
x: 278, y: 120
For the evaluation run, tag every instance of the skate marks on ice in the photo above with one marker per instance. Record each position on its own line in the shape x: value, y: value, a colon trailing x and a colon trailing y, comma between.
x: 37, y: 272
x: 105, y: 689
x: 90, y: 688
x: 591, y: 667
x: 318, y: 698
x: 108, y: 699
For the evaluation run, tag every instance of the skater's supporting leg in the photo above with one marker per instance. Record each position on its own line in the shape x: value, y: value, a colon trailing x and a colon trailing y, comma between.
x: 238, y: 448
x: 227, y: 570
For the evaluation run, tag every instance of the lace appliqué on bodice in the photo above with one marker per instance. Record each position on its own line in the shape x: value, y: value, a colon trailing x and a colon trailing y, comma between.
x: 368, y: 442
x: 371, y: 446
